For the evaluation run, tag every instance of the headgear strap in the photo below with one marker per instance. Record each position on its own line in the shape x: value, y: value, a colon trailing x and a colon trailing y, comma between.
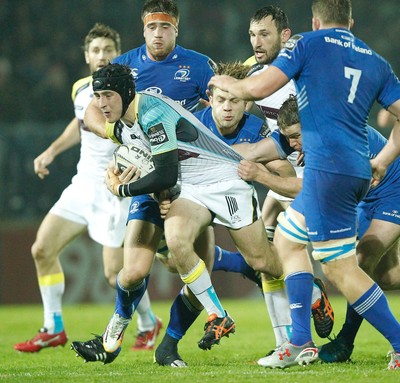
x: 160, y: 17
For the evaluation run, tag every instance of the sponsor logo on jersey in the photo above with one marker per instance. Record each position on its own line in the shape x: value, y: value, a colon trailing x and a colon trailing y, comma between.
x: 157, y: 134
x: 154, y: 89
x: 182, y: 75
x: 292, y: 42
x: 134, y: 207
x: 265, y: 131
x: 134, y: 72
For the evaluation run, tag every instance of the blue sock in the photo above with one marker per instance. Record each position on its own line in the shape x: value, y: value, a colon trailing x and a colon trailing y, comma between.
x: 182, y: 316
x: 233, y: 261
x: 351, y: 325
x: 374, y: 307
x: 299, y: 288
x: 127, y: 300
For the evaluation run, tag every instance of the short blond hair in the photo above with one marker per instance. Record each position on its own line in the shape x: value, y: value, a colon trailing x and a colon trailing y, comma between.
x: 234, y: 69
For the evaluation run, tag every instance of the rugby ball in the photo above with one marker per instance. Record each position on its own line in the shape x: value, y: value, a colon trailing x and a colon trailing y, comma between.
x: 139, y: 156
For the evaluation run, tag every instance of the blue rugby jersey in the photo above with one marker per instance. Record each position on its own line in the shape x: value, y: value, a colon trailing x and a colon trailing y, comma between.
x: 338, y: 78
x: 182, y: 76
x: 375, y: 144
x: 250, y: 128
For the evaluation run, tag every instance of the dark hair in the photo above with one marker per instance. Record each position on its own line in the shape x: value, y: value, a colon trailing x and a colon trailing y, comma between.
x: 277, y: 14
x: 102, y: 30
x: 288, y: 114
x: 332, y: 11
x: 118, y: 78
x: 165, y: 6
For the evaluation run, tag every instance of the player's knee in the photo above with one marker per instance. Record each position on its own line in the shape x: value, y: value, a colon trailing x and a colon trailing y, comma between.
x: 388, y: 280
x: 167, y: 261
x: 178, y: 245
x: 40, y: 251
x: 132, y: 275
x: 111, y: 277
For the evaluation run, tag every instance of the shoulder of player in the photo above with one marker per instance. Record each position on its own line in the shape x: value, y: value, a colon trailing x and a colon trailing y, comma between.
x: 203, y: 115
x: 80, y: 85
x: 128, y: 56
x: 254, y: 124
x: 192, y: 55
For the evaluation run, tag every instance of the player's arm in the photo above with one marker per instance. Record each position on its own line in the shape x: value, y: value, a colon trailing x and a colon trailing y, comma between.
x: 282, y: 168
x: 164, y: 176
x: 262, y: 151
x: 286, y: 186
x: 95, y: 120
x: 254, y: 87
x: 68, y: 138
x: 390, y: 151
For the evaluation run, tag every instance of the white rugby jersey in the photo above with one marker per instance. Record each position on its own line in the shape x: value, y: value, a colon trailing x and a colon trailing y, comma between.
x: 95, y: 152
x: 270, y: 106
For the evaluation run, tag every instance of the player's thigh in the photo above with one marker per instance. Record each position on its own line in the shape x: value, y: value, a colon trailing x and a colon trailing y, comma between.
x: 251, y: 240
x: 185, y: 221
x: 55, y: 233
x: 270, y: 211
x: 141, y: 243
x: 113, y: 260
x: 377, y: 240
x: 387, y: 271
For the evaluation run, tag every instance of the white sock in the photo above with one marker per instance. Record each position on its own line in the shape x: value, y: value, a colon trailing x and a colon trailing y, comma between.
x: 278, y: 309
x: 199, y: 282
x: 52, y: 289
x: 146, y: 320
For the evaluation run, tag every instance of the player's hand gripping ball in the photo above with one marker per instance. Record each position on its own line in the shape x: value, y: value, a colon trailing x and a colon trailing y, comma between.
x: 139, y: 156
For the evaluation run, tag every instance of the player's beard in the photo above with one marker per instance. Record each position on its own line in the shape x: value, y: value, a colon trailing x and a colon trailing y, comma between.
x: 271, y: 54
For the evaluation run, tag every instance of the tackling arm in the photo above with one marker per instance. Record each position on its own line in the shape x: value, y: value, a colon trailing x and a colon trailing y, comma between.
x: 94, y: 119
x: 286, y: 186
x: 254, y: 87
x: 262, y: 151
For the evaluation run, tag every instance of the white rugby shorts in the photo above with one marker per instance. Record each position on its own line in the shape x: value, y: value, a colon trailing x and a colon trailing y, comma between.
x: 233, y: 203
x: 90, y: 203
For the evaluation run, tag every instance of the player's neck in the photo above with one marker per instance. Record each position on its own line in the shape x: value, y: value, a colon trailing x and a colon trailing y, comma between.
x: 130, y: 116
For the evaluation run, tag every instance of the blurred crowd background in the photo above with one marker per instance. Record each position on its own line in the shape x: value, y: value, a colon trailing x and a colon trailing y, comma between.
x: 41, y: 57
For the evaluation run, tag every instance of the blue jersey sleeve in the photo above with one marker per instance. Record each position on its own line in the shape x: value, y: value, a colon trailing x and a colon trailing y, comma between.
x: 281, y: 144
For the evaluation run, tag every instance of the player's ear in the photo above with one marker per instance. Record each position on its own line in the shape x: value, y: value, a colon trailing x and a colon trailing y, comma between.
x: 351, y: 23
x: 285, y: 35
x: 86, y: 57
x: 316, y: 24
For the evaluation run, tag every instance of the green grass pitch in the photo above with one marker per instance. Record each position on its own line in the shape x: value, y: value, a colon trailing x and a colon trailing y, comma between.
x: 234, y: 360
